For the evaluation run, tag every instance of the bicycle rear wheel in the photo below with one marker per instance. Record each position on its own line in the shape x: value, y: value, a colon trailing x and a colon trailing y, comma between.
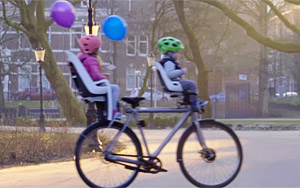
x: 217, y: 164
x: 90, y: 160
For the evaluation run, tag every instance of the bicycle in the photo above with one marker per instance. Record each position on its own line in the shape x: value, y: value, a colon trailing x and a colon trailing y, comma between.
x: 205, y: 149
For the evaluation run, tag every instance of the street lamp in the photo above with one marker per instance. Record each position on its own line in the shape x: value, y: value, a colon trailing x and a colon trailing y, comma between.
x: 91, y: 28
x: 39, y: 56
x: 95, y: 29
x: 150, y: 59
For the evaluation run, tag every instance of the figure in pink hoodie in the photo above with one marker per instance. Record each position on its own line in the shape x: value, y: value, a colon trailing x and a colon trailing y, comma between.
x: 89, y: 46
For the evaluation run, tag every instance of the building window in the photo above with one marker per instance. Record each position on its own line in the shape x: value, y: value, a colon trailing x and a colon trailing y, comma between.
x: 57, y: 41
x: 106, y: 44
x: 75, y: 35
x: 143, y: 45
x: 24, y: 43
x: 130, y: 79
x: 83, y: 4
x: 131, y: 45
x: 45, y: 81
x: 10, y: 40
x: 140, y: 75
x: 24, y: 77
x: 134, y: 78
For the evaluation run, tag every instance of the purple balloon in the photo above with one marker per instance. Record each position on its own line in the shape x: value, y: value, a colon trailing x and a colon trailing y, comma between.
x: 62, y: 12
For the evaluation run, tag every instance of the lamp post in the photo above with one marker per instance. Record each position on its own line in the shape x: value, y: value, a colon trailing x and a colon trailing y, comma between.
x: 8, y: 88
x: 39, y: 56
x: 150, y: 58
x: 155, y: 88
x: 91, y: 28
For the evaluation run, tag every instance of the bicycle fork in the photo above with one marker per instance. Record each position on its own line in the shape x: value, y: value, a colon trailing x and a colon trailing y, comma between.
x: 199, y: 134
x: 206, y: 153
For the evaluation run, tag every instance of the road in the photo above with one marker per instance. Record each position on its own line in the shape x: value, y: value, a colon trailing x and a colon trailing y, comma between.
x: 271, y: 159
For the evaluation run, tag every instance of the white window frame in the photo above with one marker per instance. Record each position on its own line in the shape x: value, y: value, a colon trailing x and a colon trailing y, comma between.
x: 84, y: 3
x: 64, y: 33
x: 140, y: 78
x: 29, y: 48
x: 143, y: 42
x: 134, y: 46
x: 130, y: 72
x: 129, y: 5
x: 72, y: 32
x: 22, y: 76
x: 102, y: 35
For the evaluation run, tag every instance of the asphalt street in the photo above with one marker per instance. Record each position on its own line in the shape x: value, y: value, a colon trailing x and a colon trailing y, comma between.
x: 271, y: 159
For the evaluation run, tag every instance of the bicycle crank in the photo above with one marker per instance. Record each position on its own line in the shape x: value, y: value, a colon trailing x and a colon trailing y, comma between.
x: 152, y: 165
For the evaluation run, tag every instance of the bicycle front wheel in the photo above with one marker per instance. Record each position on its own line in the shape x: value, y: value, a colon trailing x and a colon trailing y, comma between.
x: 93, y: 168
x: 213, y: 165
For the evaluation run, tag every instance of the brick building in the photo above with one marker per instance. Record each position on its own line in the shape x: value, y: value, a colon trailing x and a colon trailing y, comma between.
x: 129, y: 55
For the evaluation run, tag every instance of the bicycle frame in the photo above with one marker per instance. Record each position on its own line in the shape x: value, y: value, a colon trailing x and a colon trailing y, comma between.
x: 134, y: 113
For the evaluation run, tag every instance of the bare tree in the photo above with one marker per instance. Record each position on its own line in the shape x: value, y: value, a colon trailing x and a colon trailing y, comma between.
x: 193, y: 42
x: 8, y: 57
x: 259, y: 33
x: 288, y: 47
x: 34, y: 24
x: 160, y: 8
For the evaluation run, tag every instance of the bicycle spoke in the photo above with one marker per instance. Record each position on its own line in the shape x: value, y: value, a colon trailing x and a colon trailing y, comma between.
x: 94, y: 169
x: 215, y: 165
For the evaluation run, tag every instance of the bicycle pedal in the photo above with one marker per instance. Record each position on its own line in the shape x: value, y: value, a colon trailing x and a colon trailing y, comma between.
x: 162, y: 169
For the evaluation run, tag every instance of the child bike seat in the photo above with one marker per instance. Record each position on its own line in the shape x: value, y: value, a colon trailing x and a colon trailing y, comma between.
x: 91, y: 91
x: 173, y: 87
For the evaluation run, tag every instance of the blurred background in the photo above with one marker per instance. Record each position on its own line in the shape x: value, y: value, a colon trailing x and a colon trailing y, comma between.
x: 248, y: 75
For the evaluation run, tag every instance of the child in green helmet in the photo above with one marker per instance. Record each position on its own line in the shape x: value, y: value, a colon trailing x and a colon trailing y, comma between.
x: 170, y: 46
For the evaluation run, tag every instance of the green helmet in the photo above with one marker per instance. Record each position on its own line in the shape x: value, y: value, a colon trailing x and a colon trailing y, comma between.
x: 167, y: 44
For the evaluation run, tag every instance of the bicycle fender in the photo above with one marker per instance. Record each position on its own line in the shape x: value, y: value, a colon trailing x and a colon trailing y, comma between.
x: 206, y: 120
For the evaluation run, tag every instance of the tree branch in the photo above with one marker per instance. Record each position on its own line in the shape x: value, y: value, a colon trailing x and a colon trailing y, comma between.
x: 295, y: 2
x: 192, y: 37
x: 40, y: 13
x: 282, y: 18
x: 8, y: 22
x: 251, y: 31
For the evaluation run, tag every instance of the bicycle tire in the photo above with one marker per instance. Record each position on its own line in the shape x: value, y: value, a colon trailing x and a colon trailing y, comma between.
x: 93, y: 168
x: 201, y: 168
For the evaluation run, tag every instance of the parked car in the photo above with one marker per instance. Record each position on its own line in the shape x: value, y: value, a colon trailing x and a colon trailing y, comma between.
x: 220, y: 97
x: 34, y: 94
x: 157, y: 94
x: 287, y: 94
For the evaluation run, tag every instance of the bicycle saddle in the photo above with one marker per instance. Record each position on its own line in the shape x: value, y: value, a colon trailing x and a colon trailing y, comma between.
x: 134, y: 101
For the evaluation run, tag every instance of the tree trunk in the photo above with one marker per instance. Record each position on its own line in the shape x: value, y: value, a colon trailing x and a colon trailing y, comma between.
x: 263, y: 87
x: 263, y: 66
x: 71, y: 106
x: 202, y: 80
x: 202, y: 85
x: 2, y: 102
x: 35, y: 25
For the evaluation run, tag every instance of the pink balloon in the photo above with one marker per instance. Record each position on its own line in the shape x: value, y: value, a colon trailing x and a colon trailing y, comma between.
x: 63, y: 13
